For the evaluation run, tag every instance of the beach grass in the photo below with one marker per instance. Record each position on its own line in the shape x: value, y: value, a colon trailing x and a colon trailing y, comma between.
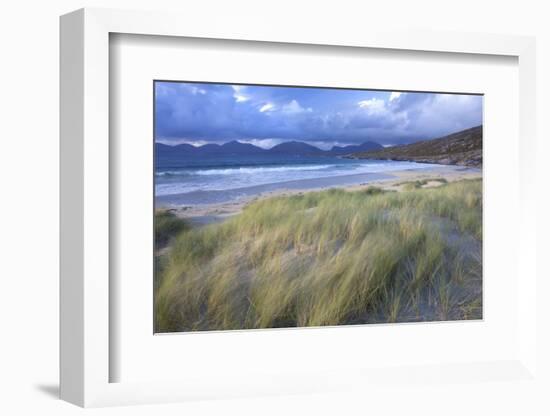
x: 167, y: 226
x: 331, y: 257
x: 410, y: 185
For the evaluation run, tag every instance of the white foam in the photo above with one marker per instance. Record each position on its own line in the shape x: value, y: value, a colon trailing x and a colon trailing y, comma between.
x: 257, y: 170
x: 220, y: 179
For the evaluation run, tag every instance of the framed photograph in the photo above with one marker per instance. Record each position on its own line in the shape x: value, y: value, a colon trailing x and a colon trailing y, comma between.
x: 281, y: 213
x: 287, y: 206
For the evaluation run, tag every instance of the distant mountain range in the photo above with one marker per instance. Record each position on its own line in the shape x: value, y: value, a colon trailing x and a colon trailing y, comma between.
x: 461, y: 148
x: 285, y: 148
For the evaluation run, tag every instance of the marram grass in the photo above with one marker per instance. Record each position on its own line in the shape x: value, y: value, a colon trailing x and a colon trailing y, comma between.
x: 329, y: 258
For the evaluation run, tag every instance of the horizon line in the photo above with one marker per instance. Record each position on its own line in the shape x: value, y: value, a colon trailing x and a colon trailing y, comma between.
x: 312, y: 145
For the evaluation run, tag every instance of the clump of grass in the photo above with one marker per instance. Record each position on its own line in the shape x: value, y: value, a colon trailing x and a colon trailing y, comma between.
x: 412, y: 185
x: 167, y: 226
x: 326, y: 258
x: 373, y: 190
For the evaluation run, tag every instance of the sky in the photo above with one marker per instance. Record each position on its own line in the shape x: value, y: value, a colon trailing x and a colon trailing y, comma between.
x: 200, y: 113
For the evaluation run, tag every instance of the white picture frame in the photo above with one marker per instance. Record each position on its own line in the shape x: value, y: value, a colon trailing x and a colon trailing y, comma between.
x: 85, y: 216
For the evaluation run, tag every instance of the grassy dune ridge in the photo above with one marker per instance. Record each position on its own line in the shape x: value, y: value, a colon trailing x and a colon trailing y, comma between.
x: 328, y: 258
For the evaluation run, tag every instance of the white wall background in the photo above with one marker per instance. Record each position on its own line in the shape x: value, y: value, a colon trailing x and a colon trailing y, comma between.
x: 29, y: 56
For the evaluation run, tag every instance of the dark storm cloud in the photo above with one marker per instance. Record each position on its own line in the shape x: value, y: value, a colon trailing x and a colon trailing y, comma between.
x: 198, y: 113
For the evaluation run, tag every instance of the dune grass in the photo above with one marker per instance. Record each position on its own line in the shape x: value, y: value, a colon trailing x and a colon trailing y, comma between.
x: 167, y: 226
x: 411, y: 185
x: 329, y: 258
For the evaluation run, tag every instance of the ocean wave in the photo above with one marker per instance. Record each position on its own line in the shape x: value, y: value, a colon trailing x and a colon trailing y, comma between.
x: 188, y: 180
x: 245, y: 170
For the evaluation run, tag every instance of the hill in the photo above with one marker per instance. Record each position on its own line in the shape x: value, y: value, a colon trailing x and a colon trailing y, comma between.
x: 237, y: 148
x: 363, y: 147
x: 294, y: 148
x: 462, y: 148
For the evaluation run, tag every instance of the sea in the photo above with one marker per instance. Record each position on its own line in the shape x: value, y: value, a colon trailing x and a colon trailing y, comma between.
x: 181, y: 180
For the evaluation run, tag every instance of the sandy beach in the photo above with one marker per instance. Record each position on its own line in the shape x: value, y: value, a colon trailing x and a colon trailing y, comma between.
x: 204, y: 214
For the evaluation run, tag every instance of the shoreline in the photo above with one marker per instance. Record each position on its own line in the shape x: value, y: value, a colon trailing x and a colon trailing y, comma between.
x: 203, y: 214
x: 422, y: 160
